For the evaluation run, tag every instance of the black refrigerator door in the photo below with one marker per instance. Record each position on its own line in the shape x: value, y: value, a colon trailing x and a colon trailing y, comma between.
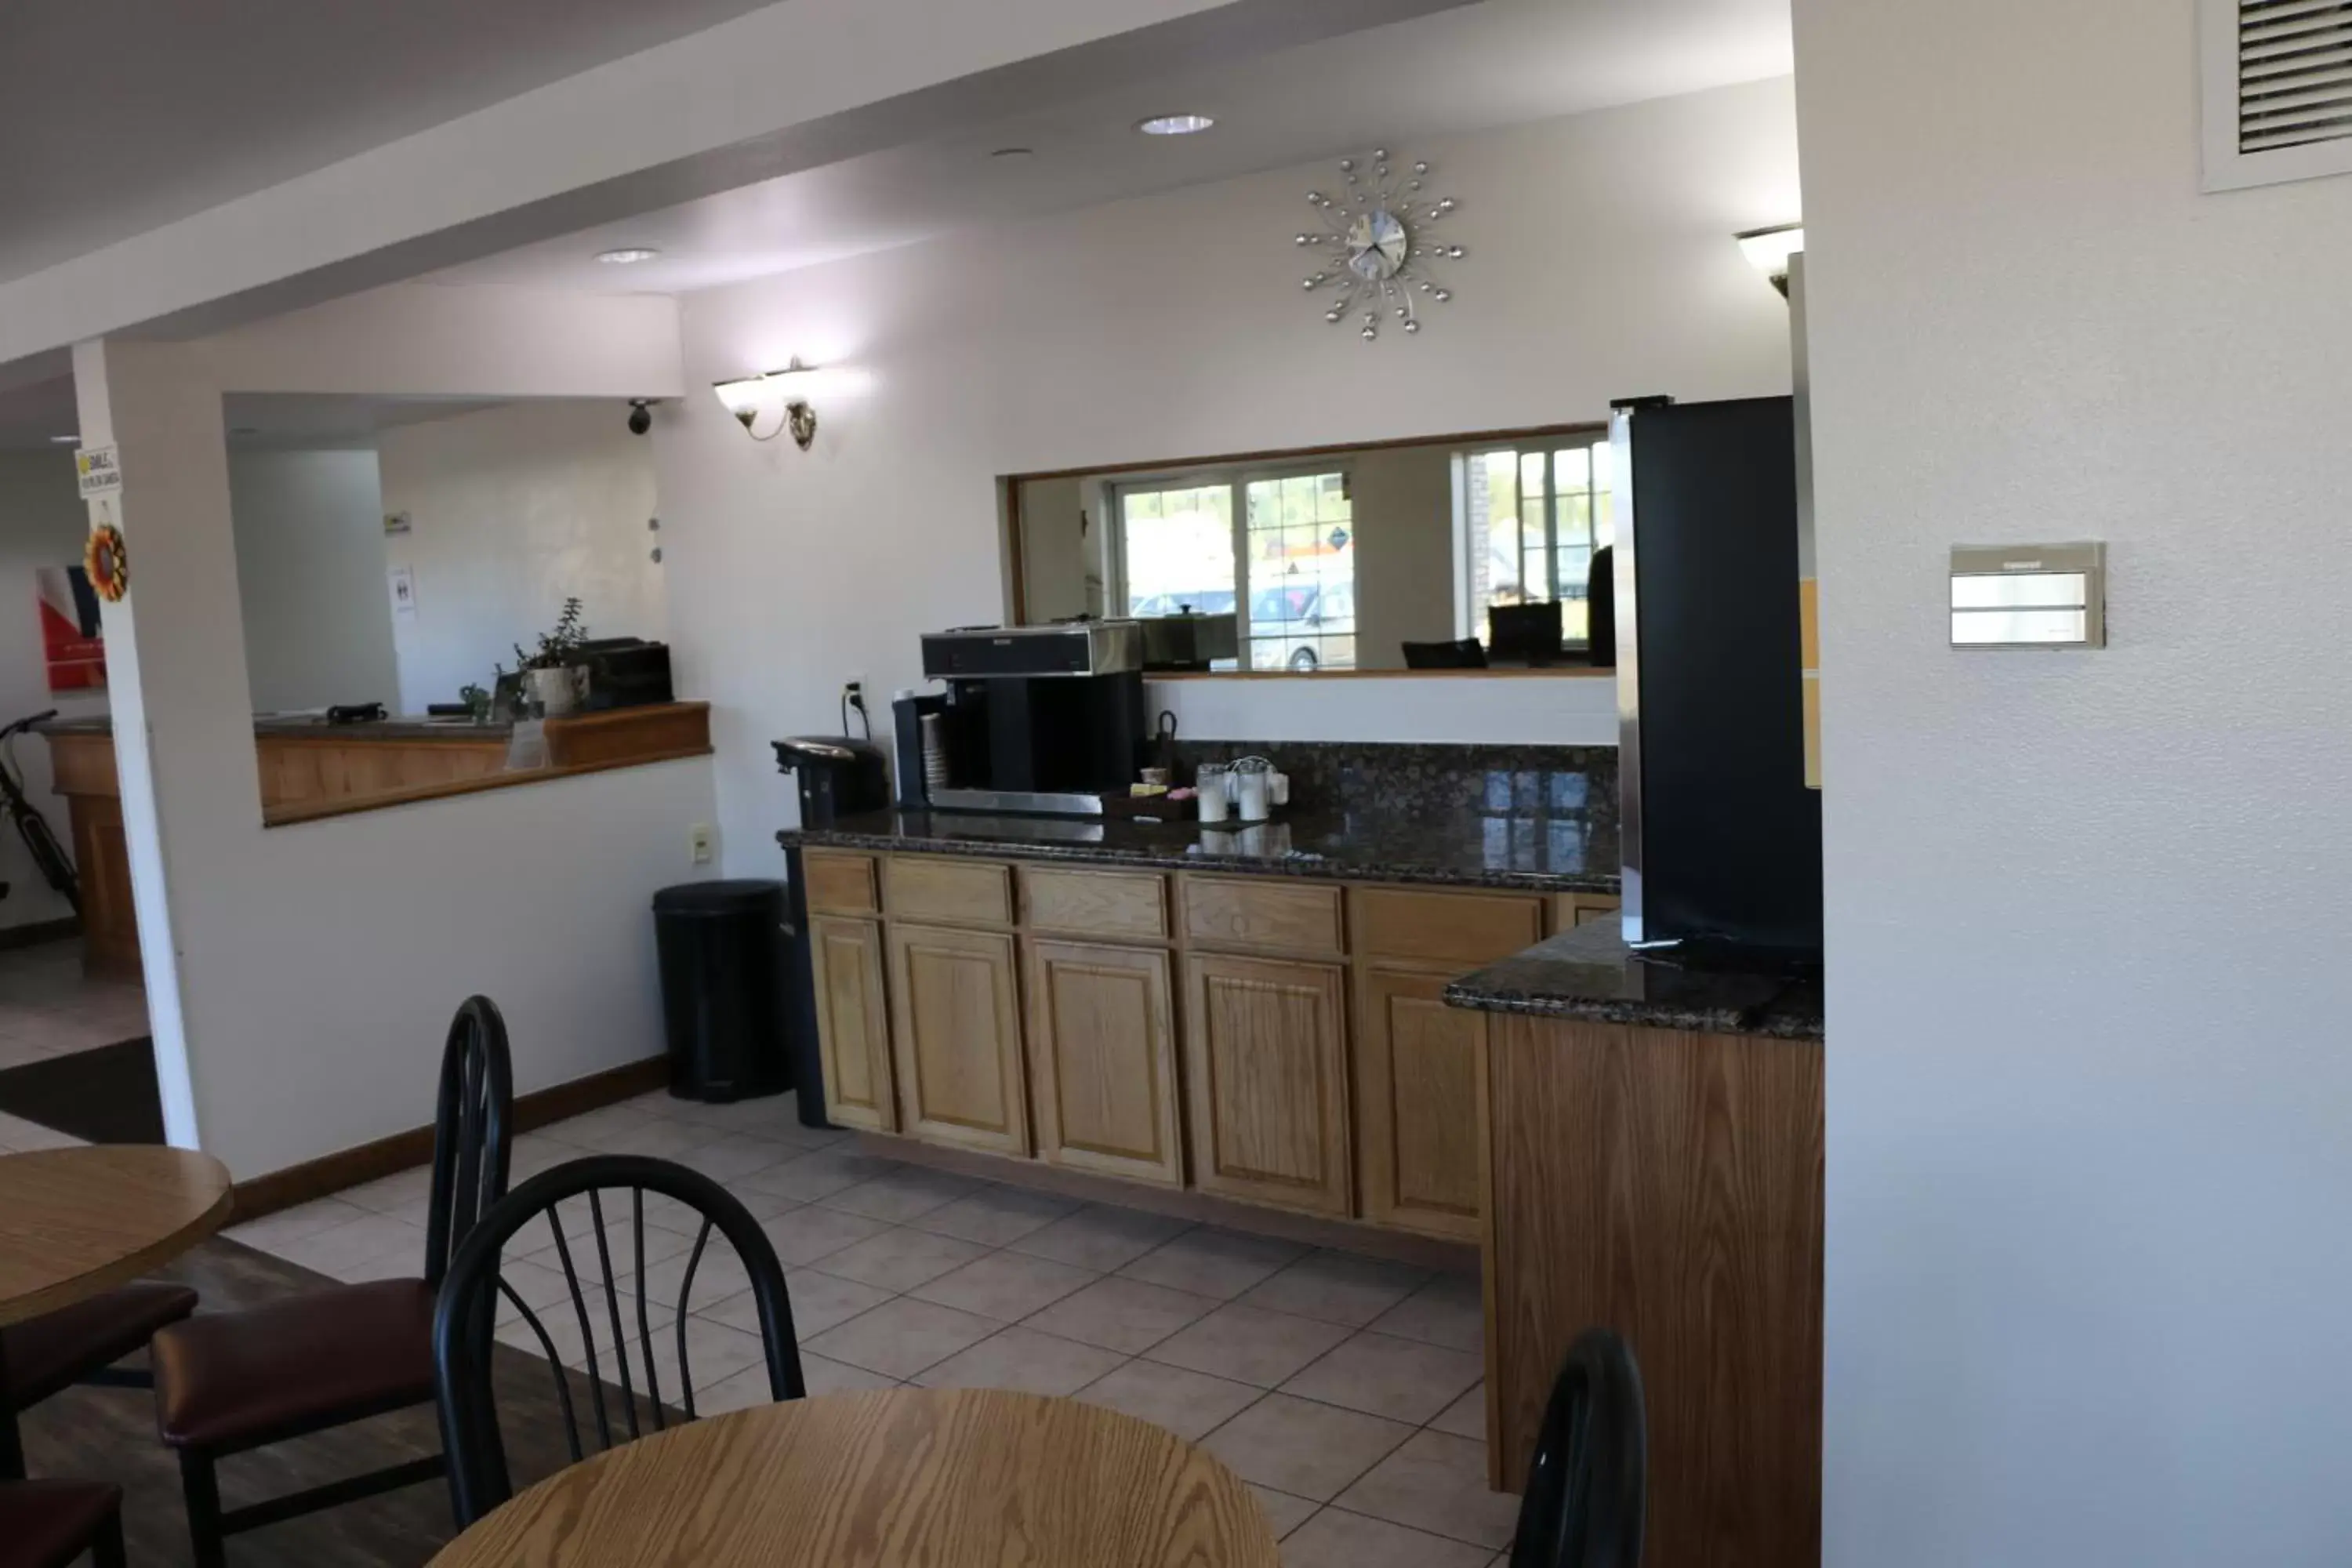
x: 1731, y: 838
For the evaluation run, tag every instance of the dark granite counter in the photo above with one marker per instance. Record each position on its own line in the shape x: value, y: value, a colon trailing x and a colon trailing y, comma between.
x: 1539, y: 850
x: 1590, y: 974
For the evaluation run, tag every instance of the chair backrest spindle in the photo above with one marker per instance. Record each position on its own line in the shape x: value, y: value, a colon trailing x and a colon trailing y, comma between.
x: 463, y: 1325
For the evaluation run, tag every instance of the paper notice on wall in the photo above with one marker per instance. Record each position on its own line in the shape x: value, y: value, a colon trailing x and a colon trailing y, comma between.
x: 72, y: 645
x: 98, y: 472
x: 403, y: 592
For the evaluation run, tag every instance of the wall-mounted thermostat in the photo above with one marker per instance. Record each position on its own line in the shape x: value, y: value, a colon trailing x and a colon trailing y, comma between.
x: 2029, y: 595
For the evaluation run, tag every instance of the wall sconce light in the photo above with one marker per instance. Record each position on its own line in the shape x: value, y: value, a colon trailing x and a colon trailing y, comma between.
x: 778, y: 400
x: 1769, y: 249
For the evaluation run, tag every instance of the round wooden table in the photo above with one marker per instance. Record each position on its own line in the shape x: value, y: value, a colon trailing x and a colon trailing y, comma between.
x: 935, y: 1477
x: 77, y: 1222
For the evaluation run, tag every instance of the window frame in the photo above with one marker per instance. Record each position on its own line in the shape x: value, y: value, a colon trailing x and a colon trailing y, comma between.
x: 1470, y: 614
x: 1236, y: 479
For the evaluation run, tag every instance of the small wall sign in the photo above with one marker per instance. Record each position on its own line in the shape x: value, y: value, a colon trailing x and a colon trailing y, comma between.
x: 98, y: 472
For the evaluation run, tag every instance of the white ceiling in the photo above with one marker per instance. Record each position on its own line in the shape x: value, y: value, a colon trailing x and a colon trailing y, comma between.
x: 1500, y: 63
x: 120, y: 115
x: 31, y: 416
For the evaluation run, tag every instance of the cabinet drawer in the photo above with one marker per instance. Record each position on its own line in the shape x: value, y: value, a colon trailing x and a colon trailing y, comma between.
x: 1579, y: 909
x: 839, y: 884
x: 1099, y: 903
x: 1446, y: 928
x: 960, y: 892
x: 1263, y: 915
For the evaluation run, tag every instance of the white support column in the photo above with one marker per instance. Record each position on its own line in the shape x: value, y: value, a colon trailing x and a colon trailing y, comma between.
x: 175, y: 662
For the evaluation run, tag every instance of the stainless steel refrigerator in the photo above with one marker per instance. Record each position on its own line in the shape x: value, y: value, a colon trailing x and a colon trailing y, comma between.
x: 1722, y: 838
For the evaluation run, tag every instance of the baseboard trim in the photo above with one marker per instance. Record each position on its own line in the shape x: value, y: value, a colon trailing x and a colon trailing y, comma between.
x: 34, y: 933
x: 1201, y: 1208
x: 331, y: 1174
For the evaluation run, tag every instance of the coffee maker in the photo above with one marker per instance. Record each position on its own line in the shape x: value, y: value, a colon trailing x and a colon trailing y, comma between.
x: 1043, y: 720
x: 839, y: 776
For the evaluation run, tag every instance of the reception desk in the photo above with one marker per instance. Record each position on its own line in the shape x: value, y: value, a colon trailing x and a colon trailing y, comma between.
x: 310, y: 770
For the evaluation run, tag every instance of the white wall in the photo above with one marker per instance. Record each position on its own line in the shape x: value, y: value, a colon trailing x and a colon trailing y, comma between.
x: 310, y: 579
x: 42, y: 523
x: 1405, y: 569
x: 1509, y: 710
x: 1601, y: 264
x: 2087, y: 913
x: 512, y: 511
x: 299, y: 979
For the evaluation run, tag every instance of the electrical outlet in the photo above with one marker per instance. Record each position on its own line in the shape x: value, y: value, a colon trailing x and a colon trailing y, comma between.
x: 698, y: 839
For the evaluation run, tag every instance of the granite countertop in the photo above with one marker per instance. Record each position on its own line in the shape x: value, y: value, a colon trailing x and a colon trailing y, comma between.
x: 1590, y: 974
x: 399, y: 728
x: 1539, y: 850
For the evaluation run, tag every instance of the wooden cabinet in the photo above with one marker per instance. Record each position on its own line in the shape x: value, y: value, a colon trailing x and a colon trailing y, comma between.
x: 1113, y: 906
x: 1263, y: 914
x: 1102, y: 1060
x: 1575, y: 908
x: 1271, y: 1040
x: 1265, y: 1066
x: 1669, y: 1185
x: 839, y: 884
x: 956, y: 1034
x: 953, y: 892
x: 853, y: 1017
x: 1416, y: 1129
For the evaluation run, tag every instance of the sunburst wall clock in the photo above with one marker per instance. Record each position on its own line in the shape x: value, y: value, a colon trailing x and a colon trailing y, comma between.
x: 1377, y: 254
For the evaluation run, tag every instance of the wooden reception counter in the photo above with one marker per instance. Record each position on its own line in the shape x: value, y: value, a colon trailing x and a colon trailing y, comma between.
x: 311, y: 770
x: 1652, y: 1163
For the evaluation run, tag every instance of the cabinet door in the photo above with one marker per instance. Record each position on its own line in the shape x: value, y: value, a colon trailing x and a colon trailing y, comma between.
x: 957, y: 1030
x: 852, y: 1021
x: 1102, y: 1055
x: 1417, y: 1103
x: 110, y: 920
x: 1266, y: 1066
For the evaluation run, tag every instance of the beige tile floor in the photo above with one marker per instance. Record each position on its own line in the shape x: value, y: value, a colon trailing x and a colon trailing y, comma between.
x: 1344, y: 1389
x: 50, y: 1008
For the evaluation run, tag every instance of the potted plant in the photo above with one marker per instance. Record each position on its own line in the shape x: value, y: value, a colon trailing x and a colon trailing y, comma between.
x: 551, y: 675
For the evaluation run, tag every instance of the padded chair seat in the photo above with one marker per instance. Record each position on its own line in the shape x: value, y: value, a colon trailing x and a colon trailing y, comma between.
x: 48, y: 1524
x: 49, y: 1353
x: 320, y: 1358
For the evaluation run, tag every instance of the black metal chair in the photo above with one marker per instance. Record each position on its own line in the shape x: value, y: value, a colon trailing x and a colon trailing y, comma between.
x: 235, y: 1381
x: 50, y: 1524
x: 463, y: 1329
x: 1586, y: 1484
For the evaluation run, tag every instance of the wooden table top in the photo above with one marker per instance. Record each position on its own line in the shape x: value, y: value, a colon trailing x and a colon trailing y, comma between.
x: 76, y: 1221
x: 900, y: 1478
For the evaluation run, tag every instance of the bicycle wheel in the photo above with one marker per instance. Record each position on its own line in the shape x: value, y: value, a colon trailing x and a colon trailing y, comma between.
x: 49, y: 856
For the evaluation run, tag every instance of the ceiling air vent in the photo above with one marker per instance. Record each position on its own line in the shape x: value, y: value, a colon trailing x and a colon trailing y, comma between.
x: 2278, y: 91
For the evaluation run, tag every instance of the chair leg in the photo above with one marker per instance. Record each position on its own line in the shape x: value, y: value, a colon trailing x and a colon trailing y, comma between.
x: 105, y: 1548
x: 202, y: 1486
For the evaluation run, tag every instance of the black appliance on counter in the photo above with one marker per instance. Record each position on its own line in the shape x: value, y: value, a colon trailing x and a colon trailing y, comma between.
x: 1046, y: 720
x: 839, y: 776
x: 907, y: 711
x: 1722, y: 839
x: 626, y: 672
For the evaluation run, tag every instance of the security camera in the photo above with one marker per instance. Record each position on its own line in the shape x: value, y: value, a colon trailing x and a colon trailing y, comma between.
x: 641, y: 416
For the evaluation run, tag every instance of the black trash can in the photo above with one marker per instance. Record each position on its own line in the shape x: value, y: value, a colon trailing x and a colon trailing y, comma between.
x: 722, y: 949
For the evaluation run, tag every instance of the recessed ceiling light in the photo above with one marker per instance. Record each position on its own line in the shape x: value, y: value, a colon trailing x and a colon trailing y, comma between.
x: 66, y: 440
x: 1016, y: 152
x: 1174, y: 124
x: 628, y: 255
